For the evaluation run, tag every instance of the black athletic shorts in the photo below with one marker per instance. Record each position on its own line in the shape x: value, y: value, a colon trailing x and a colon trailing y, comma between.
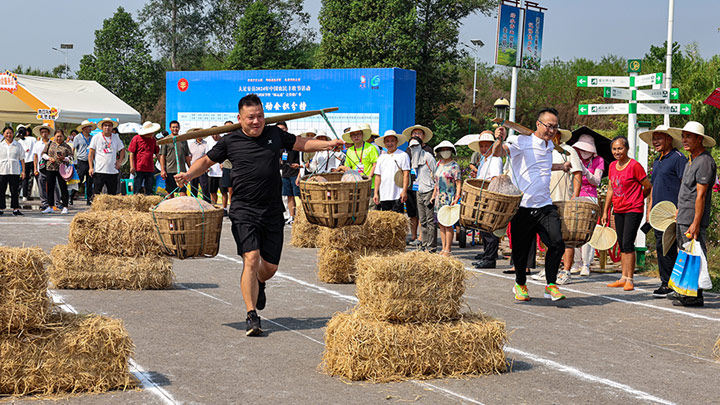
x: 226, y: 180
x: 263, y: 233
x: 411, y: 204
x: 213, y: 184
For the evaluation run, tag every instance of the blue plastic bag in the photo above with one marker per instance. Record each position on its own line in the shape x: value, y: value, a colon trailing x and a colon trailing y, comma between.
x: 686, y: 272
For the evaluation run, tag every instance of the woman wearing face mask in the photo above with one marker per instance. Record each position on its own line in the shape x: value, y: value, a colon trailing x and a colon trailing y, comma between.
x: 593, y: 166
x: 448, y: 183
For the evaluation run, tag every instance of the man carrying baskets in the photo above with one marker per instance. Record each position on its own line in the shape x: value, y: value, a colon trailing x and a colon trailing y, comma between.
x: 256, y: 209
x: 531, y: 160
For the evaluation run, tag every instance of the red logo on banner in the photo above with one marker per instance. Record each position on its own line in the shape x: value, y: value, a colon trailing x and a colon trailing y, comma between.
x: 183, y: 84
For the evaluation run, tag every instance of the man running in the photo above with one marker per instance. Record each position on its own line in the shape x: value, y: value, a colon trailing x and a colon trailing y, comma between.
x: 256, y: 209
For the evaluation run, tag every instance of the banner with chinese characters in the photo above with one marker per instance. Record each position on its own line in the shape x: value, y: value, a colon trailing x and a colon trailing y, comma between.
x: 8, y: 81
x: 508, y: 40
x: 45, y: 114
x: 532, y: 39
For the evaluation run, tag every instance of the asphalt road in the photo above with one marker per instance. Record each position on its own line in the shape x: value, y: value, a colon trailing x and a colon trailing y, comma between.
x: 600, y: 345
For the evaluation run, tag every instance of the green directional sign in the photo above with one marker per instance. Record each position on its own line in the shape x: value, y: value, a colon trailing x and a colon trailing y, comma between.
x: 583, y: 109
x: 674, y: 93
x: 582, y: 81
x: 672, y: 109
x: 605, y: 109
x: 685, y: 109
x: 620, y: 94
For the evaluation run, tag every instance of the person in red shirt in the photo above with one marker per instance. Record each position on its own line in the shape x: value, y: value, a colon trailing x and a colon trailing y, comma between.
x: 142, y: 149
x: 627, y: 189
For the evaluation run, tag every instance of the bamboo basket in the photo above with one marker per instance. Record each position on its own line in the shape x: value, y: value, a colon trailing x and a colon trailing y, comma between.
x: 186, y: 234
x: 486, y: 210
x: 578, y: 220
x: 336, y: 203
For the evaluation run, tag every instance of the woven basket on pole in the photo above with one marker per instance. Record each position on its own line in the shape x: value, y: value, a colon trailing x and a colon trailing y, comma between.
x: 335, y: 203
x: 486, y: 210
x: 186, y: 234
x: 577, y: 219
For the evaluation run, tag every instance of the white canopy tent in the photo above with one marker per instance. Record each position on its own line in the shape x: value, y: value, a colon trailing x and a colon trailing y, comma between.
x: 75, y: 100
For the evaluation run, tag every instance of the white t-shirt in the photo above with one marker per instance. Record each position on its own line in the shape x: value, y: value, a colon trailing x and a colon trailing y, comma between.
x: 489, y: 167
x: 561, y: 183
x: 38, y: 149
x: 531, y: 159
x: 216, y: 169
x: 325, y: 161
x: 387, y: 165
x: 106, y: 150
x: 28, y: 145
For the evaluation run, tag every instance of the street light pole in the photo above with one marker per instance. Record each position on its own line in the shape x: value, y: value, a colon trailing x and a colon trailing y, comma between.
x: 63, y: 50
x: 668, y: 57
x: 478, y: 44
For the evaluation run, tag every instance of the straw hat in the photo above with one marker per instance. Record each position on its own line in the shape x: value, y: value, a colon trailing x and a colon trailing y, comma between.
x: 17, y: 128
x: 565, y: 135
x: 586, y: 143
x: 104, y: 120
x: 648, y: 135
x: 307, y: 133
x: 381, y: 141
x: 428, y: 133
x: 37, y: 129
x: 669, y: 236
x: 448, y: 215
x: 484, y: 137
x: 445, y: 145
x: 662, y: 215
x: 603, y: 237
x: 693, y: 127
x: 319, y: 134
x: 86, y: 123
x: 357, y: 128
x: 149, y: 128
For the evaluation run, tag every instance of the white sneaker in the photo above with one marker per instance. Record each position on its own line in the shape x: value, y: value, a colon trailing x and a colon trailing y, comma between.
x: 585, y: 271
x: 48, y: 210
x: 575, y: 270
x: 540, y: 276
x: 64, y: 211
x: 24, y: 199
x: 563, y: 278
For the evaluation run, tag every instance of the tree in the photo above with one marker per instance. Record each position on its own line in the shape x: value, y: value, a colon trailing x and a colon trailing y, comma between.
x: 121, y: 62
x: 178, y: 30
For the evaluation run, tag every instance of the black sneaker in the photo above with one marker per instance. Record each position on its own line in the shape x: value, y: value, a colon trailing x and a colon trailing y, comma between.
x: 686, y: 301
x: 261, y: 300
x: 673, y: 295
x: 479, y: 256
x: 484, y: 264
x: 662, y: 292
x: 253, y: 324
x: 17, y: 212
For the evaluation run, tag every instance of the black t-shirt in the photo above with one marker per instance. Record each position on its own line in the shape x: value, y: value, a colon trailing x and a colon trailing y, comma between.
x: 293, y: 156
x: 257, y: 187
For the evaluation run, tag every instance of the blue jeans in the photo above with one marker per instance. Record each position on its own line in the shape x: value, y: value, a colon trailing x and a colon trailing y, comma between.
x: 144, y: 178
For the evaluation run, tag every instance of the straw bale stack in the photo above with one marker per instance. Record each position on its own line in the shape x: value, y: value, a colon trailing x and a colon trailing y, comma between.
x: 70, y: 354
x: 304, y: 234
x: 75, y: 269
x: 117, y: 233
x: 410, y: 287
x: 135, y: 202
x: 338, y: 266
x: 24, y: 302
x: 358, y: 348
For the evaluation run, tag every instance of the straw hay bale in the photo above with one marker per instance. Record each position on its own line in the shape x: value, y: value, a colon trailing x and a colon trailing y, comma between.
x: 135, y: 202
x: 716, y: 349
x: 410, y: 287
x: 337, y: 266
x: 71, y: 354
x: 382, y: 230
x: 24, y: 302
x: 117, y: 233
x: 361, y: 349
x: 304, y: 234
x: 74, y: 269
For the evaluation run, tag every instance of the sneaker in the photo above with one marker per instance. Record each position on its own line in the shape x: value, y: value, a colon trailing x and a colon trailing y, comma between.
x: 262, y: 299
x: 17, y: 213
x: 521, y: 292
x: 539, y: 276
x: 253, y: 324
x: 64, y: 210
x: 673, y: 295
x: 552, y: 292
x: 585, y: 271
x: 24, y: 199
x: 415, y: 242
x: 48, y: 210
x: 686, y: 301
x: 484, y: 264
x: 563, y: 278
x: 575, y: 270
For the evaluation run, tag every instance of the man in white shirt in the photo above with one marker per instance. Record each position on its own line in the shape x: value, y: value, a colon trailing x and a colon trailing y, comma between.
x: 199, y: 148
x: 215, y: 171
x: 389, y: 196
x: 103, y: 157
x: 27, y: 141
x: 531, y: 160
x: 327, y: 160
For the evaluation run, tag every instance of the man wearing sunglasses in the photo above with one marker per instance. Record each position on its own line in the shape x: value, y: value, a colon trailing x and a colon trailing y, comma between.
x: 531, y: 161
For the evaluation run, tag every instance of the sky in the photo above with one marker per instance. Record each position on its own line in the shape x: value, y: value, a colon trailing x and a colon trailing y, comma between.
x: 573, y: 28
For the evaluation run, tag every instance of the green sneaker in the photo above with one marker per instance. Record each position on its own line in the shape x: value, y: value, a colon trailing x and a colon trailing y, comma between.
x: 521, y: 292
x: 552, y: 292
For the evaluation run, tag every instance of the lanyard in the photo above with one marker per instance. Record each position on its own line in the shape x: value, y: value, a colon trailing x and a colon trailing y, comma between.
x: 362, y: 152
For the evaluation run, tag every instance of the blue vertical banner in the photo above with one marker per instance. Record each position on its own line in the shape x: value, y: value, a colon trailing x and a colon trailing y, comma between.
x: 507, y: 44
x: 532, y: 39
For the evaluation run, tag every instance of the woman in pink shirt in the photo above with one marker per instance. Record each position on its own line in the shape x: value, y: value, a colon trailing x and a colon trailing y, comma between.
x: 627, y: 189
x: 592, y: 170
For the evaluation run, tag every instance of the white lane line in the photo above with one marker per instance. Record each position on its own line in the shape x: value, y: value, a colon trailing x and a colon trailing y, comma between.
x: 143, y: 376
x: 642, y: 304
x: 589, y: 377
x: 184, y: 287
x: 446, y: 392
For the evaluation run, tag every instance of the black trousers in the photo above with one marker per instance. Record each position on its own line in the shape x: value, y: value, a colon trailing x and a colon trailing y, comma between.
x: 526, y: 224
x: 203, y: 182
x: 626, y: 227
x: 27, y: 182
x: 108, y: 180
x: 146, y: 180
x: 490, y: 246
x: 391, y: 205
x: 532, y: 255
x: 83, y: 171
x: 53, y: 178
x: 665, y: 262
x: 12, y: 180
